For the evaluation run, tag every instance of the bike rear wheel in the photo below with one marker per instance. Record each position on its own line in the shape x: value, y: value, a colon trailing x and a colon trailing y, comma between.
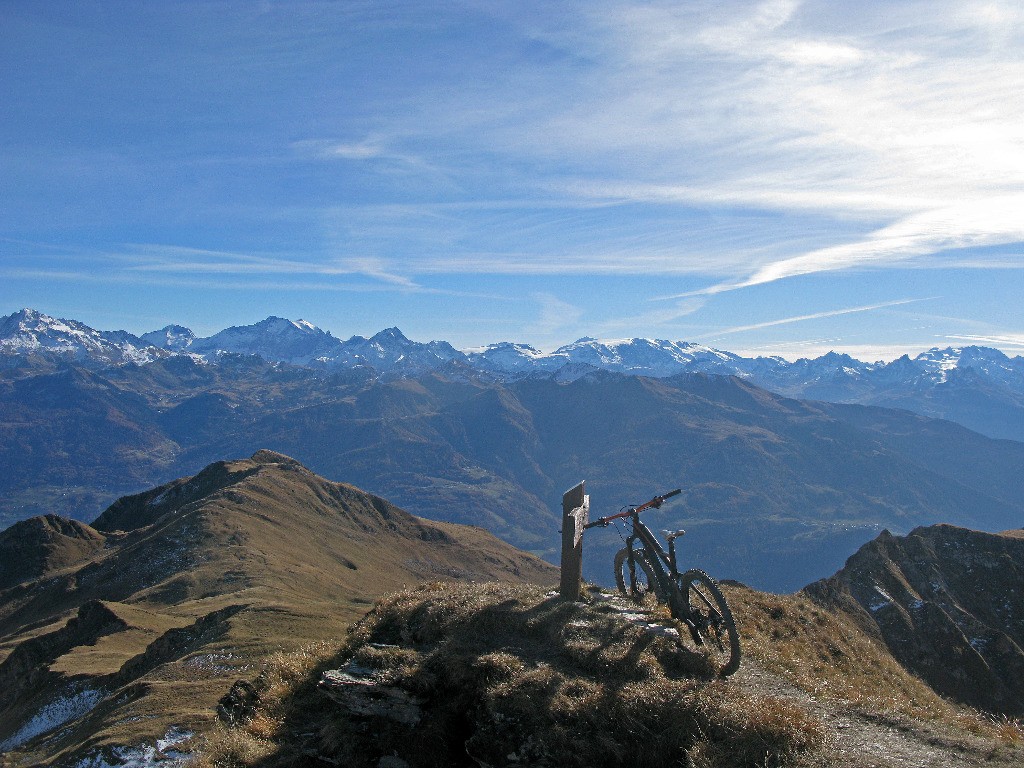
x: 711, y: 621
x: 642, y: 581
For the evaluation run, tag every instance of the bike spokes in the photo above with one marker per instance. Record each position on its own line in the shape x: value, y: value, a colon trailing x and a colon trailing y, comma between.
x: 710, y: 620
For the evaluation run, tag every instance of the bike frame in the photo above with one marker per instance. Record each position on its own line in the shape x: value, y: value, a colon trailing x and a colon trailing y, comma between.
x: 661, y: 558
x: 666, y: 577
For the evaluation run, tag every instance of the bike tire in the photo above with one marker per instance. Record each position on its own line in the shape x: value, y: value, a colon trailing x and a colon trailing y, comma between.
x: 644, y: 582
x: 711, y: 621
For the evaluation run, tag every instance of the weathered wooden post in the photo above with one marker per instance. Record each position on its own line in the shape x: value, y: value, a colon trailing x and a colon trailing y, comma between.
x: 575, y: 514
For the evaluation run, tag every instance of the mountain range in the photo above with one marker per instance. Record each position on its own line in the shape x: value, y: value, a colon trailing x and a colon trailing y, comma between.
x: 778, y: 491
x: 978, y: 387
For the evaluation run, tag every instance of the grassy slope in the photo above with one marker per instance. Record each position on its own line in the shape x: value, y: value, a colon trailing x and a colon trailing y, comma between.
x: 263, y: 557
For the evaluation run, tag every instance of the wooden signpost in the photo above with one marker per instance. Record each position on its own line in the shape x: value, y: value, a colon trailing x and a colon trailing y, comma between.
x: 575, y: 514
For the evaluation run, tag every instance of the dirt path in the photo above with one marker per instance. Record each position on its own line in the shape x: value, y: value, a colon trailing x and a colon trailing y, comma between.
x: 859, y: 741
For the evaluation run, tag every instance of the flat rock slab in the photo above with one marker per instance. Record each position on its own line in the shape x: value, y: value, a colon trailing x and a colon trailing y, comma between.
x: 364, y: 693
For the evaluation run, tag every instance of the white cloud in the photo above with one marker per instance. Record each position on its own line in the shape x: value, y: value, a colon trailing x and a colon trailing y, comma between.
x: 980, y: 223
x: 363, y: 151
x: 664, y: 317
x: 815, y: 316
x: 899, y: 124
x: 906, y: 117
x: 1006, y: 342
x: 175, y: 259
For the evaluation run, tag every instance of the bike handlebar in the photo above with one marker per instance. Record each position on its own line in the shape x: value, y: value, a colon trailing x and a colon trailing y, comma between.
x: 656, y: 502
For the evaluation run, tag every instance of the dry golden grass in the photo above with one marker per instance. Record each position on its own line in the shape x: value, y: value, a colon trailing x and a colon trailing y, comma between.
x: 507, y: 675
x: 280, y: 678
x: 825, y: 654
x: 1009, y: 730
x: 231, y: 748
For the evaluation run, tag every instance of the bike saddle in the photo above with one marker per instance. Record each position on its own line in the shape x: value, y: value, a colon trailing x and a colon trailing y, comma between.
x: 673, y: 535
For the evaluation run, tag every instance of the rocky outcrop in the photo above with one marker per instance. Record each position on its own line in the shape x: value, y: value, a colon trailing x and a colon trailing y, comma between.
x: 28, y: 664
x: 178, y: 642
x: 365, y: 692
x: 949, y: 604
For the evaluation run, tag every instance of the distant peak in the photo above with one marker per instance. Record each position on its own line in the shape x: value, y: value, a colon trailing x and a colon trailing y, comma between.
x: 28, y: 315
x: 173, y: 337
x: 390, y: 333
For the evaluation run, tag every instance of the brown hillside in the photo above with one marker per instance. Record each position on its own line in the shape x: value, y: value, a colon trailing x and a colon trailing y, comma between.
x: 949, y: 604
x: 33, y: 547
x: 215, y: 572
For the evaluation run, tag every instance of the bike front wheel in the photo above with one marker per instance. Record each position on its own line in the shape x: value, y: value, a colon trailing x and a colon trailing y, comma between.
x: 710, y: 620
x: 639, y: 582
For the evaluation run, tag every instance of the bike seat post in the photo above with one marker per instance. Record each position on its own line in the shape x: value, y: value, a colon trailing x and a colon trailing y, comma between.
x: 671, y: 537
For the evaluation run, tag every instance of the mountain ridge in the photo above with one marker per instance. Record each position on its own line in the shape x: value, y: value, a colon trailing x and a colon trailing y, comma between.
x: 149, y: 627
x: 948, y: 602
x: 980, y: 387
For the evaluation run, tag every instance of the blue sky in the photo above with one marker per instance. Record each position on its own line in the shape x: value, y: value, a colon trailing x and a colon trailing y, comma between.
x: 776, y: 177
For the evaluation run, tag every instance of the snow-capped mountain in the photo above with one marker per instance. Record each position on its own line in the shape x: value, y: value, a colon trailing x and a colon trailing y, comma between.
x: 510, y: 358
x: 650, y: 357
x: 645, y: 357
x: 939, y: 364
x: 390, y: 350
x: 275, y: 339
x: 977, y: 386
x: 175, y: 338
x: 29, y: 332
x: 299, y: 342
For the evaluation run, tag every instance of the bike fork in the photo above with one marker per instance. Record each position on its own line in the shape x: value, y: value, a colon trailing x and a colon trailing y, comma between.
x: 632, y: 563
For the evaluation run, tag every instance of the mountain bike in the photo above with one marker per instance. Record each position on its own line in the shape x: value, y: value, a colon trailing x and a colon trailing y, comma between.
x: 693, y: 598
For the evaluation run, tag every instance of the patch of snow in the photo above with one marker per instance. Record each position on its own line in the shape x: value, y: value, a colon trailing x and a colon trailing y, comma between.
x: 165, y: 754
x: 634, y: 617
x: 642, y: 620
x: 158, y: 498
x: 70, y: 706
x: 877, y: 605
x: 661, y: 629
x: 212, y: 662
